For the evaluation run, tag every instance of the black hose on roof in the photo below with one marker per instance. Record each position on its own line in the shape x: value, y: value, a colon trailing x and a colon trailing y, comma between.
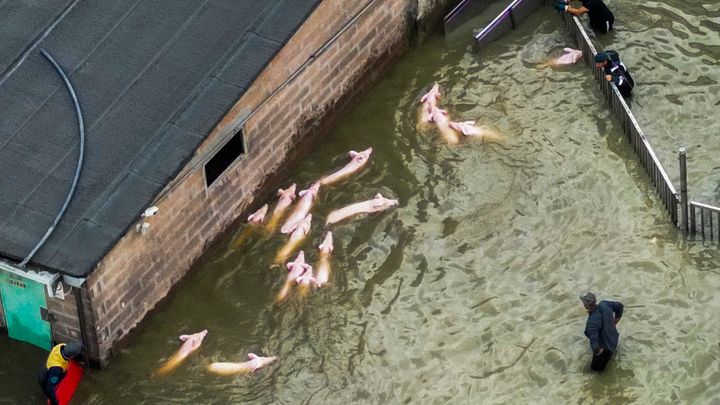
x: 81, y: 125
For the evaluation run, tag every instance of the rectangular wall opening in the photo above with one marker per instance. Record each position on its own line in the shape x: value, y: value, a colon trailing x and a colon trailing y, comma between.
x: 225, y: 157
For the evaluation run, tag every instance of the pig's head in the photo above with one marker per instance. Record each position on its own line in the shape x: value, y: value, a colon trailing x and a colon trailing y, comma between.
x: 312, y: 191
x: 299, y: 260
x: 260, y: 362
x: 307, y: 275
x: 438, y: 115
x: 362, y: 156
x: 259, y: 216
x: 327, y: 245
x: 288, y: 192
x: 195, y: 340
x: 380, y: 203
x: 431, y: 96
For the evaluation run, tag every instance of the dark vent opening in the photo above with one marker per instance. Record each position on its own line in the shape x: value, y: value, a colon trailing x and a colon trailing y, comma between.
x: 225, y: 157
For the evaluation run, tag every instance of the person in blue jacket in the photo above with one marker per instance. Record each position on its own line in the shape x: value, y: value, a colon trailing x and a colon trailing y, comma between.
x: 615, y: 72
x: 600, y: 328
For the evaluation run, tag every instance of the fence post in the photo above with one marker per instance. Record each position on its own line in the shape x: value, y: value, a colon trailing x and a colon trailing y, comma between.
x: 683, y: 191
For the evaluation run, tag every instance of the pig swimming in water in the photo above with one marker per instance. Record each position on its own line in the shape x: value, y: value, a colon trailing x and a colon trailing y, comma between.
x: 468, y: 128
x: 296, y: 268
x: 286, y: 198
x: 379, y: 203
x: 256, y: 218
x: 307, y: 198
x: 323, y: 268
x: 442, y: 122
x: 306, y: 280
x: 569, y: 57
x: 296, y: 238
x: 357, y: 162
x: 254, y: 364
x: 191, y: 343
x: 429, y: 100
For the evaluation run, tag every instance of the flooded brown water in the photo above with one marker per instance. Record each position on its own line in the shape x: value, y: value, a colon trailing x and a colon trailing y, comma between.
x: 467, y: 292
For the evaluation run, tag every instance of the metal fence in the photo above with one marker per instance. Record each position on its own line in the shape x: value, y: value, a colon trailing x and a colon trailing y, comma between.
x: 463, y: 12
x: 633, y: 132
x: 507, y: 20
x: 707, y: 226
x: 694, y: 218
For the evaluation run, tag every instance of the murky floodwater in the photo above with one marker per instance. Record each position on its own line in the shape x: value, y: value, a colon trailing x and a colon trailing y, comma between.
x: 467, y: 292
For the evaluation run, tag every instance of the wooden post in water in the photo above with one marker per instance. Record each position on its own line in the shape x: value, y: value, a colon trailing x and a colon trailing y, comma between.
x: 683, y: 191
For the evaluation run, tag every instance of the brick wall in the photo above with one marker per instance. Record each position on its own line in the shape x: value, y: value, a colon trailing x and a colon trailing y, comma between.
x: 65, y: 320
x: 142, y: 269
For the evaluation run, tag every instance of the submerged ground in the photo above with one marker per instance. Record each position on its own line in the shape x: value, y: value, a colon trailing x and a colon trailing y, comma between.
x: 467, y: 292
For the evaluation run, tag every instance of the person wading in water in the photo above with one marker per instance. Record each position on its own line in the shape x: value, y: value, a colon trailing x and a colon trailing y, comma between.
x: 600, y: 328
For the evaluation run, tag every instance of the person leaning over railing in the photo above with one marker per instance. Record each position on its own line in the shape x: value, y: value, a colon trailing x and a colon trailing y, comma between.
x: 615, y: 71
x: 601, y: 18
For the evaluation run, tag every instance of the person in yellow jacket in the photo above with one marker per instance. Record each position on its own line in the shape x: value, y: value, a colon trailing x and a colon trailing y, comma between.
x: 56, y: 367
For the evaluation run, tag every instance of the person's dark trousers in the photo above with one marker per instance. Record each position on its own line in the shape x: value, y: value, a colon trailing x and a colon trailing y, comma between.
x: 42, y: 380
x: 600, y: 361
x: 602, y: 27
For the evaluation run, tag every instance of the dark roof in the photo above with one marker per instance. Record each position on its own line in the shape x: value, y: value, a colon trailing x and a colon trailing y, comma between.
x: 153, y: 79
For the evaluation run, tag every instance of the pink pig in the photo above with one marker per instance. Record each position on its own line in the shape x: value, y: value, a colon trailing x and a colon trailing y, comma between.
x: 191, y: 343
x: 296, y: 238
x: 569, y: 57
x: 468, y: 128
x: 379, y: 203
x: 287, y: 197
x: 296, y: 269
x: 254, y: 364
x: 259, y: 216
x: 307, y: 198
x: 442, y: 122
x: 429, y: 100
x: 357, y: 162
x: 323, y: 273
x: 307, y: 278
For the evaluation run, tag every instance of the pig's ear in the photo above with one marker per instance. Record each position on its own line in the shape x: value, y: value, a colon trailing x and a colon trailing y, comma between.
x: 353, y: 153
x: 184, y: 337
x: 280, y: 191
x: 378, y: 195
x: 302, y: 193
x: 252, y: 356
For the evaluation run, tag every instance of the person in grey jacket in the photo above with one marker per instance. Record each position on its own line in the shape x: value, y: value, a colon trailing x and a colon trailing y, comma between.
x: 600, y: 328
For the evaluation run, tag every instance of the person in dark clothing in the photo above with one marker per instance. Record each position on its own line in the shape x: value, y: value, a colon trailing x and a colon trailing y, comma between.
x: 600, y: 328
x: 56, y: 367
x: 601, y: 18
x: 615, y: 72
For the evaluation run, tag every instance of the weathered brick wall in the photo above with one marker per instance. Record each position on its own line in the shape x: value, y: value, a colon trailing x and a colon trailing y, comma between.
x: 142, y: 269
